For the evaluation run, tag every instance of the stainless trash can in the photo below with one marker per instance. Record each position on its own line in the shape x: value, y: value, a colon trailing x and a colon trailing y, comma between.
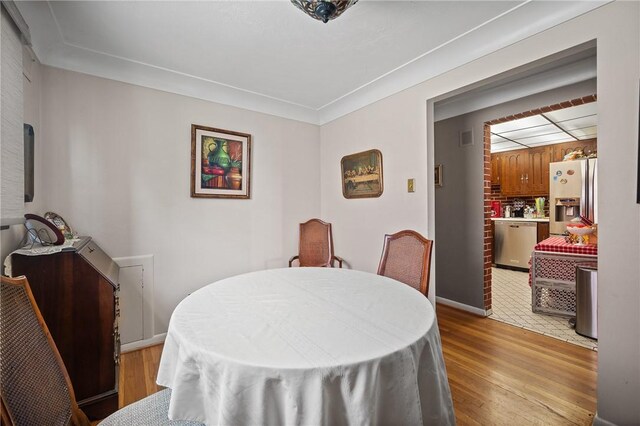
x: 587, y: 299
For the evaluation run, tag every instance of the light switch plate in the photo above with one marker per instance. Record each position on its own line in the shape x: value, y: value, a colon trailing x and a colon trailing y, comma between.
x: 410, y: 187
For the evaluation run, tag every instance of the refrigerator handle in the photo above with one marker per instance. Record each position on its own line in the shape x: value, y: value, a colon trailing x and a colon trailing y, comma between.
x: 584, y: 197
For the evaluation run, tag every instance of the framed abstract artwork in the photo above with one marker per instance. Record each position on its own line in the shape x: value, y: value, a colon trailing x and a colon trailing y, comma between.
x: 362, y: 174
x: 220, y: 163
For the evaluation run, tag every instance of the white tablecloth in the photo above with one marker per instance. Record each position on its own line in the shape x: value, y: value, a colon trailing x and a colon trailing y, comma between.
x: 309, y: 346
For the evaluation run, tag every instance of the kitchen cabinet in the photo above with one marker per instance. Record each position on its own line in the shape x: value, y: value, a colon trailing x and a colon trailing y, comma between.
x: 515, y: 165
x: 496, y: 168
x: 525, y: 172
x: 543, y: 231
x: 537, y: 178
x: 562, y: 149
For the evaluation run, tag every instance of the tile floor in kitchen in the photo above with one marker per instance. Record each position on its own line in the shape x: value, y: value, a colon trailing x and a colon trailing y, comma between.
x: 512, y: 304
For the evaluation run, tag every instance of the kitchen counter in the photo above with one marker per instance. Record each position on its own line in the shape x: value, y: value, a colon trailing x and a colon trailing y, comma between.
x: 521, y: 219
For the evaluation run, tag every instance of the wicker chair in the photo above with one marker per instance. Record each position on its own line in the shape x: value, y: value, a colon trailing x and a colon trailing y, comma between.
x: 316, y: 245
x: 406, y: 257
x: 36, y: 389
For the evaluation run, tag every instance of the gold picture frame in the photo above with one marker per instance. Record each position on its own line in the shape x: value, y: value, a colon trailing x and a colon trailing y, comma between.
x: 362, y: 174
x: 220, y: 163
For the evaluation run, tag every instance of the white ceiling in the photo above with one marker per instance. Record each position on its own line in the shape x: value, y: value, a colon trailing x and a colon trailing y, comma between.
x: 564, y: 125
x: 270, y: 57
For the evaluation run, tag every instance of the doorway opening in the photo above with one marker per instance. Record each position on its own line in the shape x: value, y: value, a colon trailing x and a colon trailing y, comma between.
x: 530, y: 160
x: 464, y: 266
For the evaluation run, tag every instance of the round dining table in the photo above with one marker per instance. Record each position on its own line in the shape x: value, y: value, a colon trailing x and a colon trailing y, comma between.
x: 306, y: 346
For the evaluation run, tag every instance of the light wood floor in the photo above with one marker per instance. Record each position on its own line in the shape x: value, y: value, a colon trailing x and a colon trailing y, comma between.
x: 499, y: 374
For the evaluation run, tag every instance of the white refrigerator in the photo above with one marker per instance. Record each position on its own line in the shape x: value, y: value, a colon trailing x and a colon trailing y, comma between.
x: 573, y: 188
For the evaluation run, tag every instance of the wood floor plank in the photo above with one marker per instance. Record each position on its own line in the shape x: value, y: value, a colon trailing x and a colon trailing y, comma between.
x: 498, y: 374
x: 562, y: 378
x: 151, y: 358
x: 521, y: 377
x: 132, y: 382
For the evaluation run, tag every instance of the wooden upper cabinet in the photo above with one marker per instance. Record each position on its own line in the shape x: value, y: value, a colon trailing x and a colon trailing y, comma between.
x: 537, y: 177
x: 496, y: 169
x: 525, y: 172
x: 562, y: 149
x: 514, y: 166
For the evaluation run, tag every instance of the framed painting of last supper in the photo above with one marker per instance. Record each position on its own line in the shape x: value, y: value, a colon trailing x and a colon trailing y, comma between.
x: 220, y: 163
x: 362, y: 174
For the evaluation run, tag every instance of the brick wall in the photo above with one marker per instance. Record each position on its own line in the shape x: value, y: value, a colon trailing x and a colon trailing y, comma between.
x: 488, y: 235
x: 554, y: 107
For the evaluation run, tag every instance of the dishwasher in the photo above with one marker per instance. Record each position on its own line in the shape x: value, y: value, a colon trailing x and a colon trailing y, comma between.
x: 514, y: 242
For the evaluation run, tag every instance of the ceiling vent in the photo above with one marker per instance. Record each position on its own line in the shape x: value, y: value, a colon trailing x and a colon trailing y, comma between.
x: 466, y: 138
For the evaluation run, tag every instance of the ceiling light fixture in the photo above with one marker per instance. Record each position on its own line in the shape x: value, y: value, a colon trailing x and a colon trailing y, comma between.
x: 324, y: 10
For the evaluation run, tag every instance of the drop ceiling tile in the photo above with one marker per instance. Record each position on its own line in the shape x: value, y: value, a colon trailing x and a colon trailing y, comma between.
x: 587, y: 120
x: 507, y: 146
x: 578, y: 123
x: 554, y: 137
x: 497, y: 138
x: 585, y: 132
x: 587, y: 137
x: 522, y: 123
x: 531, y: 131
x: 543, y: 143
x: 573, y: 112
x: 501, y: 145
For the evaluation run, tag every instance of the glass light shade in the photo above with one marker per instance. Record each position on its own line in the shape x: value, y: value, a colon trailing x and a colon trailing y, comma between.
x: 324, y: 10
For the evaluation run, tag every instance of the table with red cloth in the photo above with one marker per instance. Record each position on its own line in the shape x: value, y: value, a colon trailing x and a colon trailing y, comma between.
x: 552, y: 274
x: 558, y: 244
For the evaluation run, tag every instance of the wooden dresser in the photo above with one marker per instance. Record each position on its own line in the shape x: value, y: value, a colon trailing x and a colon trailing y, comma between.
x: 77, y: 293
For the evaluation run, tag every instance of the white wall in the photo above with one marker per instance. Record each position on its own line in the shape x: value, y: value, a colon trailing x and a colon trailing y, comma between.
x: 359, y: 225
x: 117, y: 166
x: 399, y: 126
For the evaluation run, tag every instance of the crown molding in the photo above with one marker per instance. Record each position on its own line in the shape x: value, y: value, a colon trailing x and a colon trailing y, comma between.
x: 76, y: 58
x: 520, y: 22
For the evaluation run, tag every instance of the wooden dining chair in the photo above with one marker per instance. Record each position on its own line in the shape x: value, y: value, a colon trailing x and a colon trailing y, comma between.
x: 36, y: 388
x: 316, y: 245
x: 406, y: 257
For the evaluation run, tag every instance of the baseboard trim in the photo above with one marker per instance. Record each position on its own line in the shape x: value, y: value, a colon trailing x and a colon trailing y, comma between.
x: 599, y: 421
x: 463, y: 307
x: 139, y: 344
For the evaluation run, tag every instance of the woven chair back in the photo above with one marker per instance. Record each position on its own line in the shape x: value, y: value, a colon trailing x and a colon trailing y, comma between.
x: 406, y: 257
x: 316, y: 243
x: 35, y: 388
